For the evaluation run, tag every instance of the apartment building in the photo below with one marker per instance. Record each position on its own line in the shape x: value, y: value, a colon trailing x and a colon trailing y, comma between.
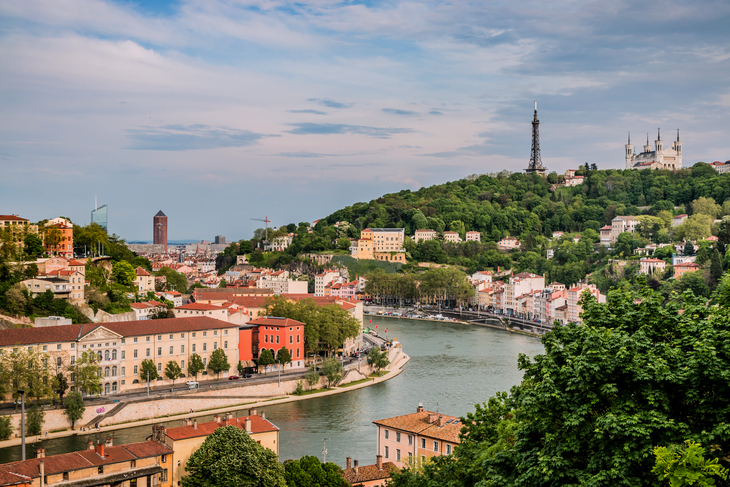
x: 64, y: 246
x: 380, y: 244
x: 145, y: 464
x: 424, y: 235
x: 144, y: 281
x: 274, y: 334
x: 419, y: 436
x: 58, y: 285
x: 621, y: 224
x: 509, y: 243
x: 121, y: 347
x: 473, y: 237
x: 650, y: 266
x: 145, y: 310
x: 374, y: 475
x: 605, y: 234
x: 185, y: 440
x: 452, y: 237
x: 283, y: 286
x: 18, y: 228
x: 518, y: 285
x: 573, y: 296
x: 76, y: 283
x: 683, y: 268
x: 324, y: 278
x: 548, y: 301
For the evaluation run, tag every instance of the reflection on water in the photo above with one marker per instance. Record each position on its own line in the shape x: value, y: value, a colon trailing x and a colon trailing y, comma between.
x: 452, y: 367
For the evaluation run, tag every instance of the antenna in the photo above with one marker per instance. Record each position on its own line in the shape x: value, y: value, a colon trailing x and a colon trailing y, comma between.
x: 535, y: 105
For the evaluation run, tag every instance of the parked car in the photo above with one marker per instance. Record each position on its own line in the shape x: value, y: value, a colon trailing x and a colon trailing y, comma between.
x: 247, y: 376
x: 233, y: 377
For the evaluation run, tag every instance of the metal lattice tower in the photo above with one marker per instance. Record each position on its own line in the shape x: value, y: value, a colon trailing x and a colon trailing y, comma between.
x: 535, y: 165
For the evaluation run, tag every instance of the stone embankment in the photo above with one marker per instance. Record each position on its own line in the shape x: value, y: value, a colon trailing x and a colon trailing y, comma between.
x: 201, y: 402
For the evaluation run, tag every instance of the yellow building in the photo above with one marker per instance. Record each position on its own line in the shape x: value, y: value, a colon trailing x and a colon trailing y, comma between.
x: 144, y: 464
x: 186, y: 439
x: 380, y: 244
x: 18, y: 228
x: 121, y: 347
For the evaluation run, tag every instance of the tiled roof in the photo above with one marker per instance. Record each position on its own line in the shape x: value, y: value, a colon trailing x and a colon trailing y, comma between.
x: 200, y: 306
x: 369, y: 473
x: 46, y: 334
x: 272, y: 321
x: 687, y: 264
x: 12, y: 218
x: 166, y: 325
x: 66, y: 462
x: 418, y: 423
x: 258, y: 425
x: 141, y: 272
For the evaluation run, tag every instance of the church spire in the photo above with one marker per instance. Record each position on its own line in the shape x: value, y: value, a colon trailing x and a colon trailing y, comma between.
x: 658, y: 134
x: 677, y: 135
x: 630, y: 137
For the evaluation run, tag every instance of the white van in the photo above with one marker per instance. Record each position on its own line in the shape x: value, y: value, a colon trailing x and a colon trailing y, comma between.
x: 193, y: 385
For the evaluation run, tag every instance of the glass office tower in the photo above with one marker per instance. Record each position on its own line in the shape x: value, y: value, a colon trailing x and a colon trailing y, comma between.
x: 100, y: 216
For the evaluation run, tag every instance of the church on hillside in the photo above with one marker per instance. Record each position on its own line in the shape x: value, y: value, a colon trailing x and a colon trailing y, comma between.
x: 659, y: 158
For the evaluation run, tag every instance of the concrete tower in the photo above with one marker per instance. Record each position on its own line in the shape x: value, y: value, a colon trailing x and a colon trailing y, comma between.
x: 629, y: 153
x: 659, y: 143
x: 159, y: 229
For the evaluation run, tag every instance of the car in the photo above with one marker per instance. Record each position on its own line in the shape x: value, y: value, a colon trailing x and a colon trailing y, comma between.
x: 233, y: 377
x: 247, y: 376
x: 191, y: 382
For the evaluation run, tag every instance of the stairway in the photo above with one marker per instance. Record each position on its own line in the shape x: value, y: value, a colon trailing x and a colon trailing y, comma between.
x: 108, y: 414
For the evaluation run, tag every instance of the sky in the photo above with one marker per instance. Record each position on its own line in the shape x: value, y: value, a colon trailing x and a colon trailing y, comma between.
x: 217, y: 112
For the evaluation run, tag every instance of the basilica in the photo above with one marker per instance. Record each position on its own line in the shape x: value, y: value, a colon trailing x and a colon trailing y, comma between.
x: 659, y: 158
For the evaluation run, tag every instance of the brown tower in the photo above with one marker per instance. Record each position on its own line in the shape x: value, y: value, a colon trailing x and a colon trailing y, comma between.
x: 159, y: 229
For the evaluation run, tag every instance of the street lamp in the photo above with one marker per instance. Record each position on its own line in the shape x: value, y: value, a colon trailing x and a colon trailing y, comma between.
x: 324, y: 451
x: 22, y: 423
x: 278, y: 367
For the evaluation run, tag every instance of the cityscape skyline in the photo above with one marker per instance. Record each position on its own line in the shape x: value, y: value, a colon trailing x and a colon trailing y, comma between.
x: 151, y: 105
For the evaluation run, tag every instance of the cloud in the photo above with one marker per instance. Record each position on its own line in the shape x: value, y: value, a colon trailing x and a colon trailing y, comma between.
x: 303, y: 154
x: 313, y: 112
x: 326, y: 102
x: 409, y: 146
x: 338, y: 128
x: 405, y: 113
x: 191, y: 137
x: 443, y: 154
x: 435, y: 112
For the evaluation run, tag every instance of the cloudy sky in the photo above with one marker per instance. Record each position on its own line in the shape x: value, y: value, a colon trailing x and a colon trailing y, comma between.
x: 220, y: 111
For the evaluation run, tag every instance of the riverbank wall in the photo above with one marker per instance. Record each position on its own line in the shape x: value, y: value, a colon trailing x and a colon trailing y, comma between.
x: 203, y: 402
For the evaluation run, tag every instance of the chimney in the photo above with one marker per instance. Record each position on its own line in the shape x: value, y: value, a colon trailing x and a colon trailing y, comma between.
x: 90, y: 445
x: 379, y: 461
x: 229, y: 415
x: 186, y: 421
x: 100, y: 449
x: 441, y: 420
x: 195, y: 424
x: 252, y: 412
x: 40, y: 452
x: 109, y: 441
x: 348, y: 462
x: 432, y: 418
x: 419, y: 409
x: 217, y: 418
x: 42, y: 469
x: 248, y: 426
x: 355, y: 467
x: 263, y: 415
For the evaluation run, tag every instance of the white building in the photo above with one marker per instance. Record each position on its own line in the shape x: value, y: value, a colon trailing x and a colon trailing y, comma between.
x: 324, y: 278
x: 659, y: 158
x: 473, y: 236
x: 424, y: 235
x: 621, y: 224
x: 721, y: 167
x: 452, y: 237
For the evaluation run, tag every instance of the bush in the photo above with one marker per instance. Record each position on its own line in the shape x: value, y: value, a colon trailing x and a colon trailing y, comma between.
x: 300, y: 388
x: 6, y: 428
x: 36, y: 419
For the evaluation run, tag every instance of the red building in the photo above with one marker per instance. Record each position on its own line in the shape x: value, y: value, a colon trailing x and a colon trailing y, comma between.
x: 273, y: 334
x: 159, y: 229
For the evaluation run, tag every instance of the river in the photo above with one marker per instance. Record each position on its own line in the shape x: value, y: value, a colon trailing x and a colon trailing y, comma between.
x: 452, y: 368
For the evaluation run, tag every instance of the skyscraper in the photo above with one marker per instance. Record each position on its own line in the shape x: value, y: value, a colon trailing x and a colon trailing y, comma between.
x: 159, y: 229
x: 100, y: 216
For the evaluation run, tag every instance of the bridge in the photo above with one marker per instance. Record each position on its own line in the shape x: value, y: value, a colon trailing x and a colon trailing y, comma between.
x: 499, y: 321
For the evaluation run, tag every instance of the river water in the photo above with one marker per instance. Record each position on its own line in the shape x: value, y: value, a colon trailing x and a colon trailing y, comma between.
x: 452, y: 367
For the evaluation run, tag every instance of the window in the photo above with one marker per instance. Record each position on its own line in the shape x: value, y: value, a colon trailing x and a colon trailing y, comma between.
x: 148, y: 352
x: 135, y: 353
x: 298, y: 336
x: 291, y: 339
x: 277, y: 338
x: 266, y: 338
x: 225, y: 332
x: 114, y: 354
x: 410, y: 439
x: 135, y: 370
x: 386, y: 434
x: 124, y: 371
x: 45, y: 348
x: 106, y: 371
x: 164, y: 458
x: 65, y: 475
x: 159, y: 351
x: 448, y: 449
x: 397, y: 454
x: 386, y: 452
x: 193, y: 348
x: 100, y: 469
x: 171, y: 337
x: 73, y: 360
x: 148, y: 339
x: 423, y: 442
x: 215, y: 345
x: 410, y: 454
x: 297, y: 353
x: 205, y: 334
x: 58, y: 361
x: 423, y: 458
x: 225, y: 344
x: 124, y: 341
x: 182, y: 335
x: 182, y: 348
x: 205, y: 361
x: 159, y: 366
x: 182, y: 364
x: 215, y: 333
x: 114, y: 371
x: 171, y: 352
x: 435, y: 446
x: 205, y: 347
x: 397, y: 436
x: 159, y: 337
x: 135, y: 339
x: 73, y: 345
x: 133, y: 463
x: 58, y: 347
x: 194, y: 334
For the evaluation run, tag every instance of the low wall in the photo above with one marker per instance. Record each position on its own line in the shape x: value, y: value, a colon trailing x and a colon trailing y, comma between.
x: 182, y: 403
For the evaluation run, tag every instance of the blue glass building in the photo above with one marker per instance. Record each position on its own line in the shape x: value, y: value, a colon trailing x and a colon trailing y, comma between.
x: 100, y: 216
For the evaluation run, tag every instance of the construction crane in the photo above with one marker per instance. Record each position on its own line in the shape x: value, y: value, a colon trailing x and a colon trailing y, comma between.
x: 267, y: 221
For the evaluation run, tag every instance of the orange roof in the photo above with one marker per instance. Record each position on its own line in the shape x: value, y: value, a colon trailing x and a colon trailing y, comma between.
x: 258, y: 425
x: 273, y: 321
x: 12, y: 218
x: 200, y: 306
x: 418, y: 423
x: 369, y: 473
x: 141, y: 272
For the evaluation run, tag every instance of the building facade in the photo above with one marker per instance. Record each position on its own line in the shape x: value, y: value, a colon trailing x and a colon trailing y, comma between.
x: 159, y: 229
x: 424, y: 235
x: 659, y: 158
x: 100, y: 216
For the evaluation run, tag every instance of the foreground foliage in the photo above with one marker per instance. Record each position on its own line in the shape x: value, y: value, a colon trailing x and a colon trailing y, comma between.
x: 308, y: 471
x: 639, y: 374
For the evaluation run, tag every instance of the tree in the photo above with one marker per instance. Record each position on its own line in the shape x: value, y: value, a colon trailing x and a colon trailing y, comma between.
x: 162, y: 314
x: 60, y: 385
x: 86, y: 374
x: 196, y: 365
x: 378, y: 359
x: 706, y: 206
x: 695, y: 227
x: 36, y: 419
x: 124, y: 273
x: 343, y: 243
x: 74, y: 407
x: 312, y: 377
x: 175, y: 280
x: 332, y: 369
x: 33, y: 246
x: 148, y: 370
x: 283, y: 356
x: 218, y: 361
x: 231, y: 458
x: 173, y: 371
x: 703, y: 255
x: 309, y: 471
x: 240, y: 368
x: 266, y: 358
x: 591, y: 409
x: 6, y: 428
x: 687, y: 465
x: 723, y: 230
x: 715, y: 266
